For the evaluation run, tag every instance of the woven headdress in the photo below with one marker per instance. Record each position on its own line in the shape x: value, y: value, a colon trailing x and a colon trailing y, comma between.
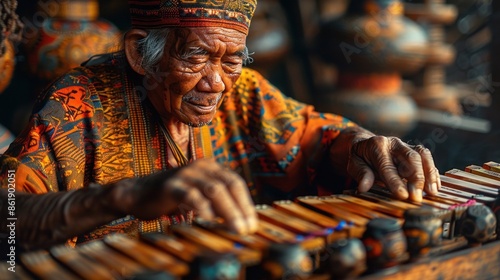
x: 235, y: 14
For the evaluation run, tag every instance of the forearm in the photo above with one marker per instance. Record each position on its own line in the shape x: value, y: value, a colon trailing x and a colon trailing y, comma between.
x: 340, y: 148
x: 47, y: 219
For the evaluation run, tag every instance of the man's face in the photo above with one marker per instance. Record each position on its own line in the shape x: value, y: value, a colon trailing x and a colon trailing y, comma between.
x: 198, y: 67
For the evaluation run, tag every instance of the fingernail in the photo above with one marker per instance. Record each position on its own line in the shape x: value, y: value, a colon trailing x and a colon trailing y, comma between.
x: 402, y: 192
x: 253, y: 224
x: 434, y: 188
x: 240, y: 226
x: 418, y: 194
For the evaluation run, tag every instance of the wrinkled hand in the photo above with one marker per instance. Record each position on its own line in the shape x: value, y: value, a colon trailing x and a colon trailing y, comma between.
x: 203, y: 186
x: 389, y: 160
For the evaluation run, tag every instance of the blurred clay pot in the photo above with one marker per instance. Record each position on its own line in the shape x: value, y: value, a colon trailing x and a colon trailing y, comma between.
x: 373, y: 45
x: 70, y: 35
x: 7, y: 63
x: 374, y: 35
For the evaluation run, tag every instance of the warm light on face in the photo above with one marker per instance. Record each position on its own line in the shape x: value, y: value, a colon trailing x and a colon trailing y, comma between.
x: 199, y: 67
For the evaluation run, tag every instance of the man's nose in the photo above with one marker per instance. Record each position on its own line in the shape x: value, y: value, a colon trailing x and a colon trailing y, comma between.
x: 212, y: 79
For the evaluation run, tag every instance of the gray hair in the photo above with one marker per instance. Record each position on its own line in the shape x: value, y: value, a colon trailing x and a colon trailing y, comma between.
x: 152, y: 48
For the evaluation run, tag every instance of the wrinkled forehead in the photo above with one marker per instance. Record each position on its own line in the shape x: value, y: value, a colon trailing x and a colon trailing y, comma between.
x: 209, y: 39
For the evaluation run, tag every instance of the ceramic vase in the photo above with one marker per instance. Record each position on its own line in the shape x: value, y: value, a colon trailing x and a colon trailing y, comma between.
x: 372, y: 46
x: 70, y: 34
x: 7, y: 63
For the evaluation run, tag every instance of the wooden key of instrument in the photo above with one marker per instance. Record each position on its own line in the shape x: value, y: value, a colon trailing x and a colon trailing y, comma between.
x: 436, y: 203
x: 180, y: 248
x: 474, y: 169
x: 251, y: 241
x: 447, y: 216
x: 204, y: 238
x: 304, y: 213
x: 468, y: 186
x: 361, y: 210
x: 331, y: 211
x: 492, y: 166
x: 146, y: 255
x: 266, y: 240
x: 84, y: 267
x: 384, y: 200
x: 471, y: 177
x: 335, y: 228
x: 393, y: 212
x: 289, y: 222
x: 450, y: 195
x: 113, y: 260
x: 200, y: 258
x: 352, y: 223
x: 479, y: 198
x: 216, y: 243
x: 383, y: 191
x: 426, y: 200
x: 16, y: 273
x: 44, y: 267
x: 447, y: 199
x: 278, y: 234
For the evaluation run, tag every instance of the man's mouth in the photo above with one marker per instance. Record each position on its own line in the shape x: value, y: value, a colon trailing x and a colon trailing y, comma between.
x: 202, y: 105
x: 204, y: 109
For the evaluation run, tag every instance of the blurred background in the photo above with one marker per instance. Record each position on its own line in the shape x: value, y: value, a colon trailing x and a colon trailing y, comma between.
x: 426, y: 71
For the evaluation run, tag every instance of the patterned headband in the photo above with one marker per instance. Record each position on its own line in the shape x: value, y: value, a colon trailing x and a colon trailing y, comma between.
x: 234, y: 14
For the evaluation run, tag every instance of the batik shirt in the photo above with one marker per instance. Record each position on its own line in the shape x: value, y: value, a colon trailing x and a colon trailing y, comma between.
x: 95, y: 125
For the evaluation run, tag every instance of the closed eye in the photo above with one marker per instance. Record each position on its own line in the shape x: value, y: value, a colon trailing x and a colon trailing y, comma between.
x: 245, y: 56
x: 195, y: 55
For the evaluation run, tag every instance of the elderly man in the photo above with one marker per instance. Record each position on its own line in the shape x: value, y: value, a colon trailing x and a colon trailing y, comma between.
x: 137, y: 140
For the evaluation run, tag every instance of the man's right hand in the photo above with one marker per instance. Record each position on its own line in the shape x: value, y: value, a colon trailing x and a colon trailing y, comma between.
x: 203, y: 186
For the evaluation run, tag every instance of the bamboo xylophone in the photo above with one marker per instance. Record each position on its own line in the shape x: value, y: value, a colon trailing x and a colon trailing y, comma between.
x: 347, y: 235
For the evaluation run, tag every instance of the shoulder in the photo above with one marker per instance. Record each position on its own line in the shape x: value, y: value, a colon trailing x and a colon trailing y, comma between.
x: 255, y: 86
x: 250, y: 79
x: 252, y: 84
x: 76, y: 92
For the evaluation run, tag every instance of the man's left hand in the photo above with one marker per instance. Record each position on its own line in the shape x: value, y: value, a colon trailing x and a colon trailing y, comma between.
x: 393, y: 162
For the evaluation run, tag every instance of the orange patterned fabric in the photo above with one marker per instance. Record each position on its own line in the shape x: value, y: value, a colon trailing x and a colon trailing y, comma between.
x: 92, y: 126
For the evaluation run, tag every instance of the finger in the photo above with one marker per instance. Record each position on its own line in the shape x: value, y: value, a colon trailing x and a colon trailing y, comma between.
x: 200, y: 176
x: 377, y: 153
x: 432, y: 178
x: 361, y: 172
x: 409, y: 163
x: 190, y: 198
x: 225, y: 206
x: 241, y: 195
